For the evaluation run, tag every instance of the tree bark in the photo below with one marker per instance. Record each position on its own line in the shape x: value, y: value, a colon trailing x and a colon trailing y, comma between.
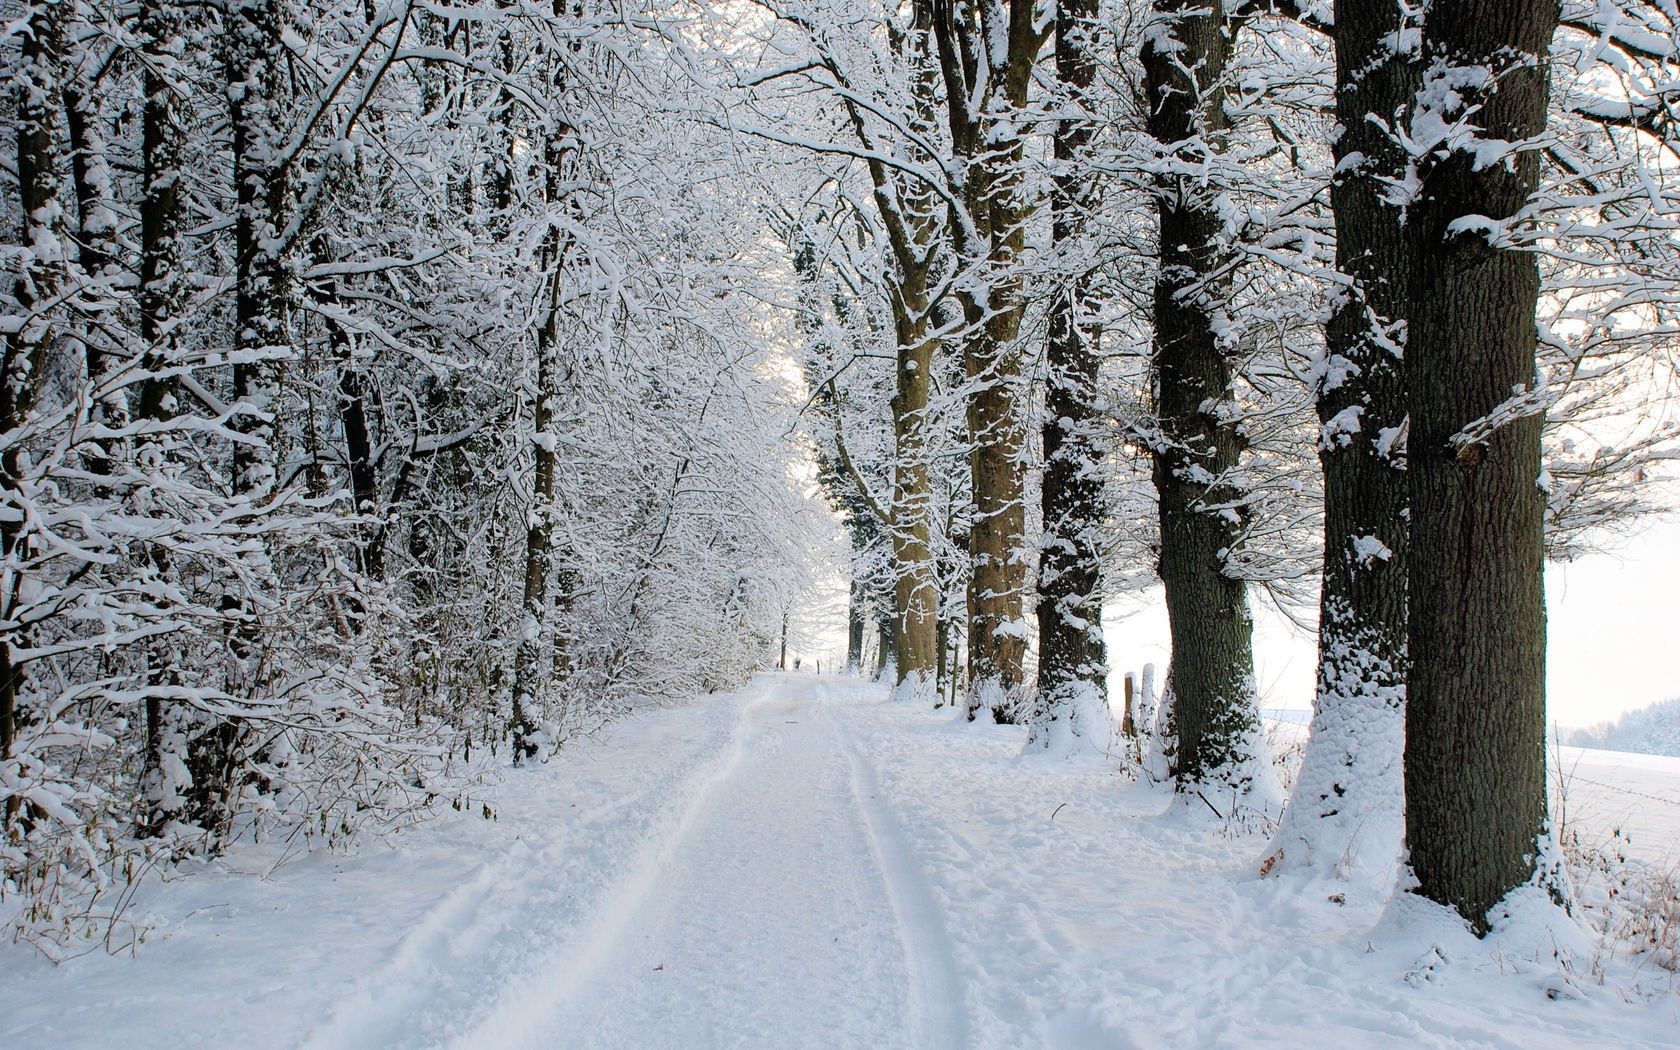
x: 263, y: 289
x: 560, y: 148
x: 98, y: 250
x: 915, y: 588
x: 1198, y: 445
x: 1475, y: 763
x: 987, y: 52
x: 1071, y: 656
x: 1350, y: 780
x: 41, y: 277
x: 162, y: 296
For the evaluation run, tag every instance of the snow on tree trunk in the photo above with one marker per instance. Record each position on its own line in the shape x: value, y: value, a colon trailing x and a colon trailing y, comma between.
x: 1344, y: 816
x: 40, y: 277
x: 1475, y: 763
x: 915, y: 591
x: 164, y: 778
x: 1070, y: 709
x: 1215, y: 713
x: 987, y: 58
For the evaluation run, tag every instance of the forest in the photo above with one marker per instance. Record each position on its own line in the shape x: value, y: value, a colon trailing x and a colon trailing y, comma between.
x: 398, y: 391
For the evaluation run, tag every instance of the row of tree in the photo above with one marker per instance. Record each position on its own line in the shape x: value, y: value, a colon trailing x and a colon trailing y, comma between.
x: 383, y: 385
x: 1265, y: 295
x: 388, y: 382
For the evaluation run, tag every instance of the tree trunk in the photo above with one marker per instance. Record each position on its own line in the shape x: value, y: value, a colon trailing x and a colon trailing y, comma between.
x: 915, y: 589
x: 254, y: 35
x: 987, y: 53
x: 1071, y: 656
x: 163, y: 294
x: 98, y: 250
x: 855, y: 625
x: 1198, y: 446
x: 1349, y: 785
x: 1475, y: 763
x: 559, y: 160
x: 353, y: 421
x: 263, y: 288
x: 35, y: 88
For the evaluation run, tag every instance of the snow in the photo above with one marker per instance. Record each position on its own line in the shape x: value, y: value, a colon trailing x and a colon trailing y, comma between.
x: 1369, y: 548
x: 1603, y: 792
x: 804, y: 863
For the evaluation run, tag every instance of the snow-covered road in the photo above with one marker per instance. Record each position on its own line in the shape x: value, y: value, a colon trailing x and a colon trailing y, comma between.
x: 802, y: 864
x: 781, y: 905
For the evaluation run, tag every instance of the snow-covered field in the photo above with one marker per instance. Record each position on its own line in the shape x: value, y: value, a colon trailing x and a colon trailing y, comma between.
x: 803, y: 865
x: 1604, y: 792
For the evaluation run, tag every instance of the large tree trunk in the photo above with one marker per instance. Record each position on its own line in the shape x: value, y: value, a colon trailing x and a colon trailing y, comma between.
x: 1198, y: 446
x: 1072, y: 692
x: 997, y: 545
x: 1475, y: 763
x: 1349, y: 787
x: 906, y: 209
x: 987, y: 53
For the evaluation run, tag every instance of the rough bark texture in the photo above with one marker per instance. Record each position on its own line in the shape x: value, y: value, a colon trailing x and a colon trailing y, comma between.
x: 1349, y: 786
x: 40, y: 168
x: 915, y: 589
x: 1071, y: 657
x: 559, y: 152
x: 263, y: 288
x: 162, y: 295
x: 1475, y: 761
x: 1198, y: 445
x: 987, y: 52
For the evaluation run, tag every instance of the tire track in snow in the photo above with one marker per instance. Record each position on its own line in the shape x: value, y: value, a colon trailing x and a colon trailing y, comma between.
x: 520, y: 1012
x: 936, y: 988
x: 377, y: 1003
x: 442, y: 953
x: 373, y: 1009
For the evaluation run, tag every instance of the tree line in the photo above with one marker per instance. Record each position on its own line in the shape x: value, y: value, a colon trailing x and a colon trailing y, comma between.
x: 1366, y: 308
x: 382, y: 393
x: 386, y: 384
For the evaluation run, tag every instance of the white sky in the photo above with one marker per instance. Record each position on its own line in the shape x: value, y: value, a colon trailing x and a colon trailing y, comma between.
x: 1614, y: 630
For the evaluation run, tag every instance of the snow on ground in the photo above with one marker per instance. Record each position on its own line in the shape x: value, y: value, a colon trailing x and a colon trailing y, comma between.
x: 803, y: 865
x: 1603, y: 792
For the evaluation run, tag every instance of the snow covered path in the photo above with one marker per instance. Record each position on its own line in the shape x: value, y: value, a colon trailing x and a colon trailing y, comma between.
x: 767, y: 916
x: 804, y: 865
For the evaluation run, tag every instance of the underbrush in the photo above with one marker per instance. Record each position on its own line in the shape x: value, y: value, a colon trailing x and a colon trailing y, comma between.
x: 1630, y: 907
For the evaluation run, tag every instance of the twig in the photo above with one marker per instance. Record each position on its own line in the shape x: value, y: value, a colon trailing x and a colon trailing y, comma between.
x: 1203, y: 797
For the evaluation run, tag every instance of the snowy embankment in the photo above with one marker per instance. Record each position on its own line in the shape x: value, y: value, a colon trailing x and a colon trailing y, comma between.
x: 1610, y: 798
x: 802, y: 864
